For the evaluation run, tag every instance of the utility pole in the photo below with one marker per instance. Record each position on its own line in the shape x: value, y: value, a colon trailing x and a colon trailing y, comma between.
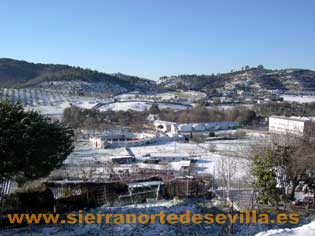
x: 176, y: 134
x: 228, y: 178
x: 213, y: 179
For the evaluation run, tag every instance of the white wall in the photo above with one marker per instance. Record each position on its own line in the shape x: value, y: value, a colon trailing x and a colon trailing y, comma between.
x: 286, y: 126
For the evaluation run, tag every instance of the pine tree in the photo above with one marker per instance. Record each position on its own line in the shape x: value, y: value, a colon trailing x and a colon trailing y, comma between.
x: 31, y: 145
x: 266, y: 181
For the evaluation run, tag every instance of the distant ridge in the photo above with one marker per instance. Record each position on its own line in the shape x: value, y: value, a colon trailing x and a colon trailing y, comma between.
x: 250, y: 79
x: 76, y: 80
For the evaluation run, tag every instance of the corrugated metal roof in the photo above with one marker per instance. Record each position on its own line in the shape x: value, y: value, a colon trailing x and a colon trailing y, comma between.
x: 5, y: 186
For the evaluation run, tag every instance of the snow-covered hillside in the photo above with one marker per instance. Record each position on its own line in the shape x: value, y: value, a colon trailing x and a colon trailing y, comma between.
x: 46, y: 102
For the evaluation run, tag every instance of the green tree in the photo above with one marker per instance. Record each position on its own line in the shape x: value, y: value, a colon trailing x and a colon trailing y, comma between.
x: 266, y: 181
x: 154, y: 109
x: 31, y: 145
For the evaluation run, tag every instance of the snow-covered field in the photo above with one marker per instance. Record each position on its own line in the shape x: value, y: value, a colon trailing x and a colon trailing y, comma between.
x: 139, y: 106
x: 299, y: 99
x: 188, y: 96
x: 211, y: 158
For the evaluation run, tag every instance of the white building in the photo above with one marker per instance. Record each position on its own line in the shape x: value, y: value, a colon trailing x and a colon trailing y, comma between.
x: 297, y: 126
x: 207, y: 126
x: 172, y: 127
x: 165, y: 126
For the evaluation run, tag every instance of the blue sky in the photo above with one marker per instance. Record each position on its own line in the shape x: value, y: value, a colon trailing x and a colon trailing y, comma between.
x: 151, y: 38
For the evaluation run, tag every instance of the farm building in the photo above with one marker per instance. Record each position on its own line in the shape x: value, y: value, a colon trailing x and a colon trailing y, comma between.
x: 208, y: 126
x: 166, y: 168
x: 122, y: 137
x: 167, y: 156
x: 171, y: 127
x: 144, y: 191
x: 295, y: 126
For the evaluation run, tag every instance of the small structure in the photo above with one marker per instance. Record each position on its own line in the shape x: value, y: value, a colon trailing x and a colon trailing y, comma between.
x: 167, y: 157
x: 122, y: 137
x: 172, y: 168
x: 119, y: 160
x: 7, y: 186
x: 143, y: 191
x: 188, y: 186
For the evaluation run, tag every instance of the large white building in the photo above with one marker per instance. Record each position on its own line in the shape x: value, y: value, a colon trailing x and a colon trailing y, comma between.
x: 166, y: 126
x: 296, y: 126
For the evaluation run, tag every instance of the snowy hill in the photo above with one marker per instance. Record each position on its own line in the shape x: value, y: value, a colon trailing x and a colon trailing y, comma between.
x: 74, y: 80
x: 79, y: 81
x: 251, y: 79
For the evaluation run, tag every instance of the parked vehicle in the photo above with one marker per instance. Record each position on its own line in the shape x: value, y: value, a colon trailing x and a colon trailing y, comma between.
x: 299, y: 202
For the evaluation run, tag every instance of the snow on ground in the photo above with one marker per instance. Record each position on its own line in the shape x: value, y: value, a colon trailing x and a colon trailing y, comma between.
x: 87, y: 161
x: 84, y: 152
x: 46, y: 102
x: 299, y: 99
x: 308, y: 229
x: 161, y: 203
x: 139, y: 106
x: 125, y: 106
x: 191, y: 96
x: 211, y: 157
x: 209, y: 160
x: 188, y: 96
x: 50, y: 110
x: 176, y: 107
